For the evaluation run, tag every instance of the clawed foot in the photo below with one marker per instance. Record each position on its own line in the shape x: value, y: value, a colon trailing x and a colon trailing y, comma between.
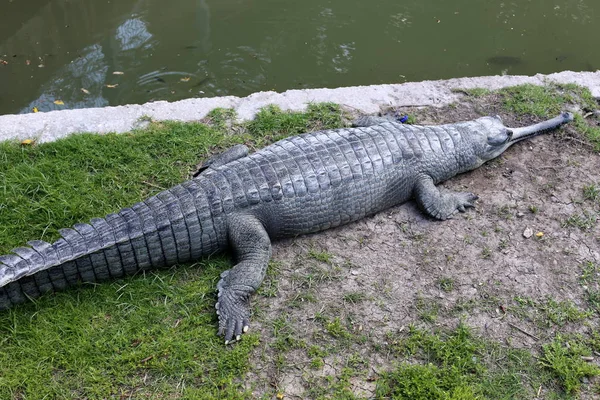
x: 454, y: 202
x: 233, y: 309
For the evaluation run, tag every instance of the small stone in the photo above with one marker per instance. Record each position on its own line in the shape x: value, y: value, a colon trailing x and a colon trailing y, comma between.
x: 527, y: 233
x: 520, y: 214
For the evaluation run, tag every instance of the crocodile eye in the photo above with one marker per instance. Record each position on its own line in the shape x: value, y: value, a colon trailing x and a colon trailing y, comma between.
x: 500, y: 138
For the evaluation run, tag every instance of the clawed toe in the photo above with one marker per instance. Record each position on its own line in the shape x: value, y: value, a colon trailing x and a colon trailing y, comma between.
x: 233, y: 311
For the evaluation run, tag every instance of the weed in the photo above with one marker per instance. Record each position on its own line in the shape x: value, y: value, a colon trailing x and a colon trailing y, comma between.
x: 270, y: 285
x: 584, y: 221
x: 456, y: 365
x: 221, y: 118
x: 562, y: 312
x: 302, y: 298
x: 505, y: 211
x: 272, y: 123
x: 551, y: 311
x: 594, y: 299
x: 591, y: 192
x: 321, y: 256
x: 411, y: 119
x: 336, y: 329
x: 544, y: 101
x: 354, y: 297
x: 503, y: 244
x: 284, y: 336
x: 563, y: 358
x: 446, y: 284
x: 486, y: 252
x: 317, y: 363
x: 427, y: 309
x: 590, y: 273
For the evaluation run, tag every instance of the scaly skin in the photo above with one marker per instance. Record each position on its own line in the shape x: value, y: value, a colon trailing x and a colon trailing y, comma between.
x: 299, y: 185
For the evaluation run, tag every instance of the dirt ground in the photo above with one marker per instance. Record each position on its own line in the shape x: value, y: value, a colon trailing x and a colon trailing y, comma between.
x: 399, y: 267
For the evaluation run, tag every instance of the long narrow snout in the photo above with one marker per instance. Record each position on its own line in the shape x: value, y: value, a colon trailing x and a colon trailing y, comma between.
x: 536, y: 129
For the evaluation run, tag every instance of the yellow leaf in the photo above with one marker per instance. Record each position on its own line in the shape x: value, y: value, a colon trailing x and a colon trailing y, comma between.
x: 84, y: 90
x: 112, y: 86
x: 35, y: 109
x: 27, y: 142
x: 187, y: 78
x: 279, y: 396
x: 539, y: 234
x: 118, y: 73
x: 59, y: 102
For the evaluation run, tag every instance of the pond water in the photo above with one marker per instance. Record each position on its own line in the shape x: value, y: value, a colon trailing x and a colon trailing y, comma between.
x: 88, y: 53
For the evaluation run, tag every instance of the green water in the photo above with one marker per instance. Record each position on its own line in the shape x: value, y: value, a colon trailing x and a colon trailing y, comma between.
x: 69, y: 50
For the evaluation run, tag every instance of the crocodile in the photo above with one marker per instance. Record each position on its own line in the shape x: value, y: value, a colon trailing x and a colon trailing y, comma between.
x: 242, y: 201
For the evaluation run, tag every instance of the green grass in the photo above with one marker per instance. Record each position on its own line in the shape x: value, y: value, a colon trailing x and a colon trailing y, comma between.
x: 584, y: 221
x: 591, y: 192
x: 564, y: 359
x: 145, y: 336
x: 545, y: 101
x: 456, y: 364
x: 548, y: 101
x: 446, y: 284
x: 550, y: 312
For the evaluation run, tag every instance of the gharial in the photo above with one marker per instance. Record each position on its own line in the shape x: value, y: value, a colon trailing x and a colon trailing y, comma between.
x: 301, y: 184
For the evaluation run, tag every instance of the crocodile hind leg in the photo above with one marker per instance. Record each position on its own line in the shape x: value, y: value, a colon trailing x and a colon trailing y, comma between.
x: 252, y: 247
x: 440, y: 205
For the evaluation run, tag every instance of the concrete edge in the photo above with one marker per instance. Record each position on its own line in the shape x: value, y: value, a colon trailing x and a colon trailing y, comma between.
x: 46, y: 127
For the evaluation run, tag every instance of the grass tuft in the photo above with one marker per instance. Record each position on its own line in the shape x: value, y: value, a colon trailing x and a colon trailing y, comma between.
x: 564, y: 359
x: 457, y: 365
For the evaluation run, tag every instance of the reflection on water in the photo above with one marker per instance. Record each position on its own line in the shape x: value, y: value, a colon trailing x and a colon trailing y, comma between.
x: 89, y: 53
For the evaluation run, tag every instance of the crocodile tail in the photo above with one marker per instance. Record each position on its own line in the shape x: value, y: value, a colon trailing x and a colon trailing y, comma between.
x: 161, y: 231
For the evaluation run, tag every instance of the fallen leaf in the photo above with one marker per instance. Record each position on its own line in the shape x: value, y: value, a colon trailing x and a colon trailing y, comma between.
x: 539, y: 234
x: 27, y: 142
x: 35, y: 109
x: 59, y: 102
x: 84, y: 90
x: 112, y: 86
x: 41, y: 66
x: 187, y: 78
x: 118, y: 73
x: 280, y: 396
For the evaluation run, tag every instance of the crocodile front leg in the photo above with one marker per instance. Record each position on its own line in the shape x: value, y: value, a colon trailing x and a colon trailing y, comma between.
x: 440, y: 205
x: 252, y: 247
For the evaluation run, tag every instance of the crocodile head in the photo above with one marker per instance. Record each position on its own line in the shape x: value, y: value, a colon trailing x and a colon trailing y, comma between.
x: 496, y: 138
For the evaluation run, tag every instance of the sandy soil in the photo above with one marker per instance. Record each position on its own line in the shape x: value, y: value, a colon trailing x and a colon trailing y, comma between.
x: 390, y: 270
